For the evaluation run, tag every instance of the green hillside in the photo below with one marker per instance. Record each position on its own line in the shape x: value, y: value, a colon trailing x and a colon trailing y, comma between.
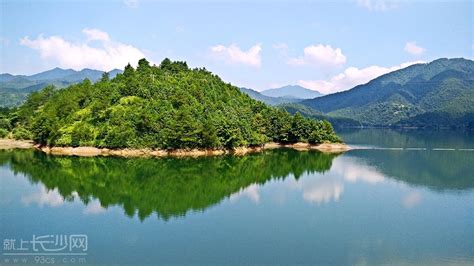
x: 440, y: 93
x: 165, y: 107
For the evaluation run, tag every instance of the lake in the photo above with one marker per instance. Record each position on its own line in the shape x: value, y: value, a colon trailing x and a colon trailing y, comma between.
x: 400, y: 197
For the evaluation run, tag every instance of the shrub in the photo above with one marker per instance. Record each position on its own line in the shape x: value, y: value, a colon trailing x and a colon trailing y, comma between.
x: 3, y: 133
x: 21, y: 133
x: 5, y: 124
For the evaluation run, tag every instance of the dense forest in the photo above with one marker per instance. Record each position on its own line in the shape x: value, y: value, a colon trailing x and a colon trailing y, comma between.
x: 168, y: 106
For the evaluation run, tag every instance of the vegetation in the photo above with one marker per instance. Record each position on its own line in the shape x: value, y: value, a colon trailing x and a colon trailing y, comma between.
x: 440, y: 93
x: 167, y: 186
x: 294, y: 108
x: 3, y: 133
x: 165, y: 107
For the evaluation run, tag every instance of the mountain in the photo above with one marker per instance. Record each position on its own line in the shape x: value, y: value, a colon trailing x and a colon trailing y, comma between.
x: 267, y: 99
x: 440, y: 93
x: 15, y: 88
x: 162, y: 107
x: 55, y: 73
x: 292, y: 91
x: 6, y: 77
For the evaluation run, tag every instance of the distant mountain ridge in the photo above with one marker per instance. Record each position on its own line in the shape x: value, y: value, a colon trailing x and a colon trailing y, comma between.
x: 440, y: 93
x: 283, y: 95
x: 292, y: 91
x: 268, y: 99
x: 15, y: 88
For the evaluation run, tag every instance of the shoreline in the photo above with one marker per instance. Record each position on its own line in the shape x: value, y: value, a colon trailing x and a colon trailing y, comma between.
x: 93, y: 151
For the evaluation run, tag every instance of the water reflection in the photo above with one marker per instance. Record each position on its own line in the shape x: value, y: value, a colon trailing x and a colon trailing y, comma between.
x: 44, y: 197
x: 365, y: 206
x: 412, y: 199
x: 172, y: 187
x: 168, y: 187
x: 251, y: 192
x: 322, y: 190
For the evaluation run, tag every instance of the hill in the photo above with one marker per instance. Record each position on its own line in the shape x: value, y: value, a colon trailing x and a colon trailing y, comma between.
x: 165, y: 107
x: 15, y: 88
x: 267, y: 99
x: 440, y: 93
x: 292, y: 91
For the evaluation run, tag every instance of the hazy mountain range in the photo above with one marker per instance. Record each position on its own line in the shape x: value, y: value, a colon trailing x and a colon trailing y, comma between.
x: 292, y: 91
x: 282, y: 95
x: 15, y: 88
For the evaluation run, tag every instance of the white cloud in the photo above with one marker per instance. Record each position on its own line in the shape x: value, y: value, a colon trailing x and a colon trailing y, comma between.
x: 353, y: 171
x: 44, y: 197
x: 413, y: 48
x: 96, y: 35
x: 107, y: 55
x: 251, y: 192
x: 323, y: 190
x: 93, y: 207
x: 234, y: 55
x: 131, y: 3
x: 378, y: 5
x: 350, y: 78
x: 323, y: 55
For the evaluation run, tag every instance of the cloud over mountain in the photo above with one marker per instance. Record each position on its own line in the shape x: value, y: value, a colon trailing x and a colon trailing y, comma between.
x: 105, y: 54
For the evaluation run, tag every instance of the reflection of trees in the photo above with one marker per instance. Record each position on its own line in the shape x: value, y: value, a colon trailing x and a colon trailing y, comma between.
x: 437, y: 170
x: 168, y: 186
x: 409, y: 138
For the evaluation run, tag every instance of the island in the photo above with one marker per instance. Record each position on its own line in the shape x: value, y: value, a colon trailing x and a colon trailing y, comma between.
x: 162, y: 110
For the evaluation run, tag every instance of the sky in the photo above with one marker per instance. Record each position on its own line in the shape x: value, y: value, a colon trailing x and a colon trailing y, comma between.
x: 328, y: 46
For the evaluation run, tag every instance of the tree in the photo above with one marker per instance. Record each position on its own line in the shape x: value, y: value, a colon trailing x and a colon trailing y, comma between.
x: 105, y: 77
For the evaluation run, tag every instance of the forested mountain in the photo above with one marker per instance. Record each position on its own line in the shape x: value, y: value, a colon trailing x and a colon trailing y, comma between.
x: 15, y: 88
x: 304, y: 110
x: 440, y: 93
x: 165, y: 107
x: 267, y: 99
x: 292, y: 91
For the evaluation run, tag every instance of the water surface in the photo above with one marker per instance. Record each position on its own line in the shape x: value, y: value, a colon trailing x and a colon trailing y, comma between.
x: 402, y: 197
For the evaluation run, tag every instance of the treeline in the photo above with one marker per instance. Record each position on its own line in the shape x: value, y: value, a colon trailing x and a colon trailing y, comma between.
x: 165, y: 107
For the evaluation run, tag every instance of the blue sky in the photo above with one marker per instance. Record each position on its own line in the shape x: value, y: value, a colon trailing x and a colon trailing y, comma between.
x: 328, y: 46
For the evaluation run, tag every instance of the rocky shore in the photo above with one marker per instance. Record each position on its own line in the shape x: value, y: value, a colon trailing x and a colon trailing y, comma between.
x: 7, y: 144
x: 93, y: 151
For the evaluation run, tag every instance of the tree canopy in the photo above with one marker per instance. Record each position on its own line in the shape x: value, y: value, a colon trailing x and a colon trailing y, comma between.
x: 168, y: 106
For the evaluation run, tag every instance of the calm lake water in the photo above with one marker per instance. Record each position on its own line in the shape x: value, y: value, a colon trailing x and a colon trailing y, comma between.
x: 401, y: 197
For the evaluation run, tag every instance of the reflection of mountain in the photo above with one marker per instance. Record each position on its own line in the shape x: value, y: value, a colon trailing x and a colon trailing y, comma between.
x: 409, y: 138
x: 170, y: 187
x: 435, y: 169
